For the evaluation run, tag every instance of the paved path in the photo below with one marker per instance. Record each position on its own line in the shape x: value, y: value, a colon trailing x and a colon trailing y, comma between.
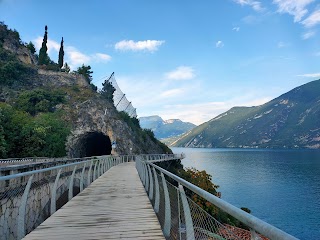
x: 115, y: 206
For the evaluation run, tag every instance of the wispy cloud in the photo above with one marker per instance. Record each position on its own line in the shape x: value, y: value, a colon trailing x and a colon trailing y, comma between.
x: 219, y: 44
x: 308, y: 35
x: 310, y: 75
x: 282, y: 45
x: 250, y: 19
x: 147, y: 45
x: 297, y: 8
x: 171, y: 92
x: 101, y: 57
x: 181, y: 73
x: 73, y: 56
x: 256, y: 5
x: 312, y: 20
x: 237, y: 29
x: 51, y: 45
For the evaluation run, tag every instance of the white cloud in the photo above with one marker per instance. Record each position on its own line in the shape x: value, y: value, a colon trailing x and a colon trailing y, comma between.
x: 312, y: 20
x: 130, y: 45
x: 198, y: 113
x: 171, y: 92
x: 256, y: 5
x: 237, y: 29
x: 308, y: 35
x: 73, y: 56
x: 181, y: 73
x: 297, y: 8
x: 310, y: 75
x: 51, y: 45
x: 282, y: 45
x: 219, y: 44
x: 102, y: 57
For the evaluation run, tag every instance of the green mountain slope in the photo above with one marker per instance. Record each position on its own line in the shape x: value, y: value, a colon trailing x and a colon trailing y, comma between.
x: 290, y: 121
x: 165, y: 129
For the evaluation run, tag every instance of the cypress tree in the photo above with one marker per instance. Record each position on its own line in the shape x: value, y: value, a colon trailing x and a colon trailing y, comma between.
x: 61, y: 55
x: 43, y: 56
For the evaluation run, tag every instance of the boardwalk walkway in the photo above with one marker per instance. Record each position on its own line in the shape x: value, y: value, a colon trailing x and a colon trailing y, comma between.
x: 115, y: 206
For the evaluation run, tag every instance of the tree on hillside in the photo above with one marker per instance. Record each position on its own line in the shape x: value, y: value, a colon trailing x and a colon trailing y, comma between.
x: 86, y: 72
x: 43, y: 55
x: 61, y: 55
x: 31, y: 47
x: 107, y: 90
x: 66, y: 68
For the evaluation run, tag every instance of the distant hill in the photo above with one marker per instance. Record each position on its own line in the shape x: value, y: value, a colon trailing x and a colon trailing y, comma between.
x: 165, y: 129
x: 289, y: 121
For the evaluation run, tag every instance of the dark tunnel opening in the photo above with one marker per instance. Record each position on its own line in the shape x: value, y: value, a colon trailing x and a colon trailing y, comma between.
x: 95, y: 144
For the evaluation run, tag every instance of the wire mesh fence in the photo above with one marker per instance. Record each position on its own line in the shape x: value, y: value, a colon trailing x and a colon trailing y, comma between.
x: 120, y: 100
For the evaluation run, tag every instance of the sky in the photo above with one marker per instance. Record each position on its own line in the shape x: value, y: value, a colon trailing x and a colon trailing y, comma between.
x: 181, y: 59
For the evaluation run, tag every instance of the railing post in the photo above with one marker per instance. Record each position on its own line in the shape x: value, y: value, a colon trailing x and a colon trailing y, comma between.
x: 187, y: 214
x: 254, y: 235
x: 143, y: 176
x: 22, y: 210
x: 156, y: 185
x: 150, y: 183
x: 89, y: 173
x: 54, y: 193
x: 147, y: 177
x: 70, y: 192
x: 167, y: 217
x: 81, y: 178
x: 95, y: 170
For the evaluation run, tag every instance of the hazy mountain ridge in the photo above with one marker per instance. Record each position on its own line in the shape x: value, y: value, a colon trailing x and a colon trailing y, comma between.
x: 165, y: 128
x: 291, y: 120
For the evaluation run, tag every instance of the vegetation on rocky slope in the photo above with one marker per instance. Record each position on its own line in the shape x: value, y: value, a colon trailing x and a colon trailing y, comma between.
x: 290, y: 121
x: 35, y: 119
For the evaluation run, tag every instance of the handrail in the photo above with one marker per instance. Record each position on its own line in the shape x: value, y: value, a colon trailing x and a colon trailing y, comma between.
x: 12, y: 176
x: 246, y: 218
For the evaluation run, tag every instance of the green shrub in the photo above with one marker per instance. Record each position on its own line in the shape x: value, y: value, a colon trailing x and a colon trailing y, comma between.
x: 39, y: 100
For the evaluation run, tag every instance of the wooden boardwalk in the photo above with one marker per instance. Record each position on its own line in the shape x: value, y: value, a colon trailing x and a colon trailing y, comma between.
x: 115, y: 206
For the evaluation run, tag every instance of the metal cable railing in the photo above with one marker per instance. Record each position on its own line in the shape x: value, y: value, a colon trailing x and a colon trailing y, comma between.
x: 120, y: 100
x: 27, y: 199
x: 182, y: 218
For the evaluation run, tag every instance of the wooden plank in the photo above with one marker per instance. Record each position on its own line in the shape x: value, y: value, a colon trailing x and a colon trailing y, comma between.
x: 115, y: 206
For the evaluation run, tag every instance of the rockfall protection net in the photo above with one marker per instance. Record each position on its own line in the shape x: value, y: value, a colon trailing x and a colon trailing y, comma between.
x: 120, y: 100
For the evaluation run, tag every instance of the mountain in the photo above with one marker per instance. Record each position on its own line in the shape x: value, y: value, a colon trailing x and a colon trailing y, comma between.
x: 291, y: 120
x: 165, y: 129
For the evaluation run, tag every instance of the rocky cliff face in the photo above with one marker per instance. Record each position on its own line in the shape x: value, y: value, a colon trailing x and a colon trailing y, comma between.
x: 98, y: 116
x: 22, y: 53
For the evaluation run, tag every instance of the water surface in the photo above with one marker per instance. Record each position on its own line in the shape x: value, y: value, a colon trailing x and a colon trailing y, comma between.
x: 281, y: 187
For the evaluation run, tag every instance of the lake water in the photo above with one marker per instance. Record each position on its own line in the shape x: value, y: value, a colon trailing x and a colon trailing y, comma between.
x: 281, y: 187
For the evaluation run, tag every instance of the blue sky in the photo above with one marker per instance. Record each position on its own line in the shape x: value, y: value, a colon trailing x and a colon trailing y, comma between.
x: 183, y: 59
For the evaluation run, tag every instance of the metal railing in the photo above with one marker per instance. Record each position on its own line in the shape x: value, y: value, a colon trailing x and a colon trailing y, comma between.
x: 27, y: 199
x: 182, y: 218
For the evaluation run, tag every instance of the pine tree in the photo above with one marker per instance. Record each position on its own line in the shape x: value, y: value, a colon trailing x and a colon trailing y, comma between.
x: 43, y: 56
x: 61, y: 55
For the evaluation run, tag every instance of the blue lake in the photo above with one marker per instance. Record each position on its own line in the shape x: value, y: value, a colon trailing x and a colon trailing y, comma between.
x: 281, y: 187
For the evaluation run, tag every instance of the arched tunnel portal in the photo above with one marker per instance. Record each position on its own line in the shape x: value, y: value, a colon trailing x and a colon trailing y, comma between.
x: 93, y: 144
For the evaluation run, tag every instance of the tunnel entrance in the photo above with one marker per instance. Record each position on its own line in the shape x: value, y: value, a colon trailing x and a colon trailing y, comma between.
x: 95, y: 144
